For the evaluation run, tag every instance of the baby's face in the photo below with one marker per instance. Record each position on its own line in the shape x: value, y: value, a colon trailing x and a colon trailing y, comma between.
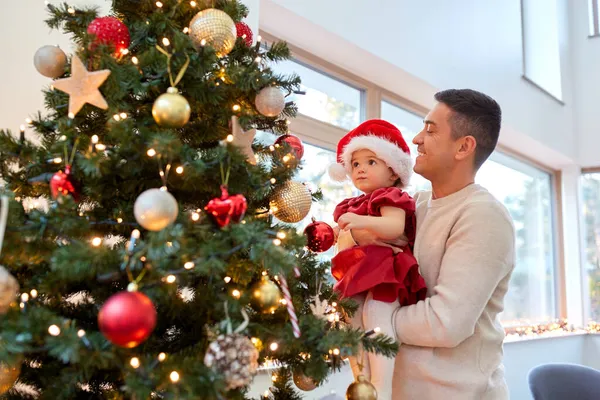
x: 370, y: 173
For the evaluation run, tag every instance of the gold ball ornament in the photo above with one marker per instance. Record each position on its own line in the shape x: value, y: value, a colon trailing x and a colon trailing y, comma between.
x: 155, y: 209
x: 8, y: 377
x: 291, y: 202
x: 171, y: 110
x: 9, y: 288
x: 266, y: 295
x: 50, y: 61
x: 270, y: 101
x: 215, y: 28
x: 304, y: 382
x: 361, y: 389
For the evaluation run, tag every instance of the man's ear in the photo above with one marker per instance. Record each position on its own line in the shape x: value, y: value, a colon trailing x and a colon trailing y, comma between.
x: 466, y: 147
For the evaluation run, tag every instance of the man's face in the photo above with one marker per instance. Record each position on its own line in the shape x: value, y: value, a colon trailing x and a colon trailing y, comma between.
x: 435, y: 146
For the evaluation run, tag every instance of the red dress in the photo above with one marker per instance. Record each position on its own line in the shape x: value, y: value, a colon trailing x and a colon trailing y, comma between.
x: 387, y: 275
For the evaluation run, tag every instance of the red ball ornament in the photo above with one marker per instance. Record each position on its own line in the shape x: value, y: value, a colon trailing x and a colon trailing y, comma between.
x: 62, y: 183
x: 109, y: 31
x: 320, y: 236
x: 244, y: 31
x: 294, y: 142
x: 127, y: 319
x: 226, y: 208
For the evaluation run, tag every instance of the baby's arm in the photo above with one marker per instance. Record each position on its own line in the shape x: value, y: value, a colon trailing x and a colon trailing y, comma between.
x: 387, y: 227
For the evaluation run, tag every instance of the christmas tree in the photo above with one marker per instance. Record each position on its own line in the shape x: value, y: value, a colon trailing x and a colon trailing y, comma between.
x: 149, y: 249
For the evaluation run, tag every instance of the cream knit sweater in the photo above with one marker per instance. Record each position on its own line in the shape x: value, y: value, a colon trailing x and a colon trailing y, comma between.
x: 452, y: 341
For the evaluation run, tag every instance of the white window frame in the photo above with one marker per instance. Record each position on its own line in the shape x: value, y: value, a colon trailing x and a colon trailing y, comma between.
x: 594, y: 18
x: 558, y: 97
x: 585, y: 292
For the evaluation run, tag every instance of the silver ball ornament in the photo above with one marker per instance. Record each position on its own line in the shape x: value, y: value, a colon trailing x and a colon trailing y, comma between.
x: 50, y: 61
x: 270, y: 101
x: 155, y: 209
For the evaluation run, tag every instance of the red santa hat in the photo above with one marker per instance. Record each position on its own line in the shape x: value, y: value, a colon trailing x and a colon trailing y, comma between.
x: 383, y: 139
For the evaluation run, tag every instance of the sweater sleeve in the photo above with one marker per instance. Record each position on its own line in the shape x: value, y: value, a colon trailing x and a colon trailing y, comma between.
x: 479, y: 254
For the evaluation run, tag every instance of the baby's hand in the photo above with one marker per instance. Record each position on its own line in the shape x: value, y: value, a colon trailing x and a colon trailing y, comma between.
x: 336, y: 233
x: 349, y: 221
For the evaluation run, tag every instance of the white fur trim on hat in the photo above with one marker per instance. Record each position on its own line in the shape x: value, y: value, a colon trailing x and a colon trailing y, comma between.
x: 395, y: 158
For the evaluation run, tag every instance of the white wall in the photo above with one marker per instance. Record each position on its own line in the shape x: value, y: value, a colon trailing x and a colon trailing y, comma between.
x: 586, y: 74
x: 23, y: 31
x: 465, y: 43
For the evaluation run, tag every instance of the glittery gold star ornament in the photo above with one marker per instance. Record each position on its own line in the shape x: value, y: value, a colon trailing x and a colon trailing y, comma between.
x: 82, y: 87
x: 243, y: 140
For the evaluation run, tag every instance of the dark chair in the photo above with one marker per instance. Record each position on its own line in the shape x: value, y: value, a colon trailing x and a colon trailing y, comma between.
x: 564, y: 382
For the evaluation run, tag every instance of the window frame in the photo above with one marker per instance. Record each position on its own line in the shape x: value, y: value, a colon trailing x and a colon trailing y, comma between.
x: 594, y: 18
x: 524, y: 75
x: 585, y: 292
x: 306, y: 129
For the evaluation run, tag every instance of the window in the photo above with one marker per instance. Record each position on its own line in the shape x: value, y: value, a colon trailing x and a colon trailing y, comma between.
x: 594, y: 17
x: 590, y: 190
x: 541, y: 47
x: 327, y: 99
x: 527, y: 194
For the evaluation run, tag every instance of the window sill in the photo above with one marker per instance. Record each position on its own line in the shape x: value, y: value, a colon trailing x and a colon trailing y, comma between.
x: 510, y: 339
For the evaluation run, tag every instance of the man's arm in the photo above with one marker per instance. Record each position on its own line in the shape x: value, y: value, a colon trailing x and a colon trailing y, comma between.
x: 479, y: 253
x: 389, y: 226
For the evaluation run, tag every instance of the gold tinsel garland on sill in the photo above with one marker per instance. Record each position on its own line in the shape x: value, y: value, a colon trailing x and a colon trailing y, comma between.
x: 550, y: 329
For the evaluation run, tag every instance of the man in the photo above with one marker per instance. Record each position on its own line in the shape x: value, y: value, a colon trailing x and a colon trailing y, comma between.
x: 451, y: 343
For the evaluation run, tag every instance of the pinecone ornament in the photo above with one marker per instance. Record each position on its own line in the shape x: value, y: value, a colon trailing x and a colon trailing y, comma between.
x: 235, y: 357
x: 9, y: 288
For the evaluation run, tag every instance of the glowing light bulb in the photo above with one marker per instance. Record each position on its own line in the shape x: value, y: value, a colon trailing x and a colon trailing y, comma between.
x: 54, y: 330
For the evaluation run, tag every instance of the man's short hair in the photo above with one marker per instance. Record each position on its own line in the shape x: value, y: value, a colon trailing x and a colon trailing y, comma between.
x: 473, y: 114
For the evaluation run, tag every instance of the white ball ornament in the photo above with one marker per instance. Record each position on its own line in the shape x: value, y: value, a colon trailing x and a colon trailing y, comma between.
x: 50, y: 61
x: 270, y: 101
x: 155, y: 209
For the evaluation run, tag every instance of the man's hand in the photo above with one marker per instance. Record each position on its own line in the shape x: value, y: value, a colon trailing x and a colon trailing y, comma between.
x: 350, y: 221
x: 363, y: 237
